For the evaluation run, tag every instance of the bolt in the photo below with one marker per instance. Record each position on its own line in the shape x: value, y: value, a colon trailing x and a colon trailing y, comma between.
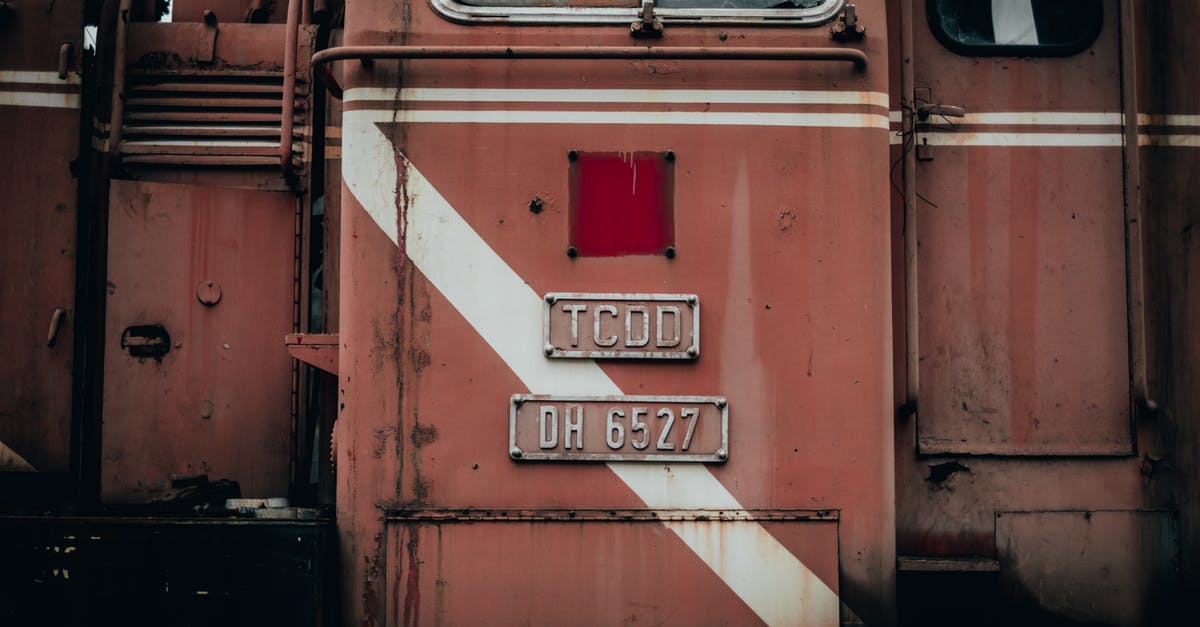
x: 692, y: 351
x: 515, y: 453
x: 536, y: 205
x: 550, y: 299
x: 548, y: 349
x: 722, y: 454
x: 517, y: 400
x: 572, y: 252
x: 721, y: 402
x: 669, y: 252
x: 573, y: 155
x: 669, y: 155
x: 692, y: 299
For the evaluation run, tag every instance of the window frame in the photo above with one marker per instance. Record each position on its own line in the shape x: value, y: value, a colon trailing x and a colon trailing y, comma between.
x: 934, y: 22
x: 515, y: 15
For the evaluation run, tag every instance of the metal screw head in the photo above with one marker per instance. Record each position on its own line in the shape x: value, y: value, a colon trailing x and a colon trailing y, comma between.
x: 516, y: 453
x: 517, y: 400
x: 669, y: 252
x: 722, y: 454
x: 692, y: 299
x: 669, y: 155
x: 536, y: 205
x: 692, y: 351
x: 551, y: 298
x: 721, y: 403
x: 572, y: 252
x: 548, y: 349
x: 573, y: 155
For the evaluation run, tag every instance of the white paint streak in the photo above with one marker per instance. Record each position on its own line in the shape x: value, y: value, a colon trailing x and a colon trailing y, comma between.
x: 39, y: 99
x: 1168, y: 119
x: 1013, y: 23
x: 1051, y: 118
x: 487, y: 291
x: 654, y: 118
x: 641, y: 96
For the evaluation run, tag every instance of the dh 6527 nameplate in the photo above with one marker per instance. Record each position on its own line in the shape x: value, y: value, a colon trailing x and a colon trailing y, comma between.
x: 621, y: 326
x: 618, y: 428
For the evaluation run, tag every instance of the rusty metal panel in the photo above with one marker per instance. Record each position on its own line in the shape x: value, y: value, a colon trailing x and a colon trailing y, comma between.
x: 1110, y: 567
x: 566, y: 572
x: 447, y: 255
x: 216, y: 397
x: 594, y: 428
x: 667, y: 326
x: 39, y: 121
x: 1022, y: 291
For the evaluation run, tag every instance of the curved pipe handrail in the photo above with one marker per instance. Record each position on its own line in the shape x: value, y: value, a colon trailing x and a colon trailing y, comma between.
x: 287, y: 120
x: 322, y: 59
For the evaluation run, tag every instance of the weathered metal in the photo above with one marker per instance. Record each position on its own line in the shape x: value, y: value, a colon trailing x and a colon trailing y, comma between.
x: 669, y: 326
x: 322, y: 59
x: 594, y: 428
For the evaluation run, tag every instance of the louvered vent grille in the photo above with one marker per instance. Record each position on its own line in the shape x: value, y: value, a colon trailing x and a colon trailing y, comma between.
x: 208, y: 119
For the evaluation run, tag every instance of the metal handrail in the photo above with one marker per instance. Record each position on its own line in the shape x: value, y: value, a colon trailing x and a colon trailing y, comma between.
x: 287, y: 120
x: 321, y: 60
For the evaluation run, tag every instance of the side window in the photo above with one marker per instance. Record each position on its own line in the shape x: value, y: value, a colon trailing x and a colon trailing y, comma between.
x: 797, y: 12
x: 1039, y: 28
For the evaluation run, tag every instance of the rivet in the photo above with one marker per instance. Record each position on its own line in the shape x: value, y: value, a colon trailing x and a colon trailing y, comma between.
x: 548, y: 349
x: 721, y: 402
x: 515, y: 453
x: 722, y: 454
x: 536, y: 205
x: 551, y: 298
x: 669, y: 155
x: 572, y: 252
x: 573, y: 155
x: 692, y: 351
x: 669, y: 252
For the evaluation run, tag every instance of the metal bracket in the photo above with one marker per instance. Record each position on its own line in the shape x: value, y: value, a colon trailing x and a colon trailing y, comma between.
x: 648, y: 24
x: 847, y: 28
x: 206, y: 48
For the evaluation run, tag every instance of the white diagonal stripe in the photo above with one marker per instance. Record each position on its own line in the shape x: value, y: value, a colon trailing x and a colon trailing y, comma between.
x: 1013, y: 23
x: 487, y: 291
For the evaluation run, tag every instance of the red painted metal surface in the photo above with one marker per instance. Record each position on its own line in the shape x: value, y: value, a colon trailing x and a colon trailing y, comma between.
x: 39, y: 120
x: 219, y: 401
x: 795, y: 295
x: 996, y: 295
x: 622, y: 204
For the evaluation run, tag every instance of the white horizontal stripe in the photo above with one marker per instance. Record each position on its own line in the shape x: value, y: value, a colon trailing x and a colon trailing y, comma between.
x: 1058, y: 118
x: 657, y: 118
x: 651, y: 96
x: 46, y: 78
x: 895, y: 116
x: 1168, y: 119
x: 1020, y: 139
x: 487, y: 292
x: 39, y: 99
x: 1172, y: 141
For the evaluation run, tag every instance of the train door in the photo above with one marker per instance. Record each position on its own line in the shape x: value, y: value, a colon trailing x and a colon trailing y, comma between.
x: 40, y: 46
x: 529, y: 246
x: 1025, y: 421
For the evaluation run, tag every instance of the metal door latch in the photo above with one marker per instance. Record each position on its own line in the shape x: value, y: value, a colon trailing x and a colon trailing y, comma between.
x: 648, y: 24
x: 924, y: 107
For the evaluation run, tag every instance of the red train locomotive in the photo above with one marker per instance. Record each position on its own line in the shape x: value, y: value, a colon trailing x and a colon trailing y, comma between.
x: 389, y: 312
